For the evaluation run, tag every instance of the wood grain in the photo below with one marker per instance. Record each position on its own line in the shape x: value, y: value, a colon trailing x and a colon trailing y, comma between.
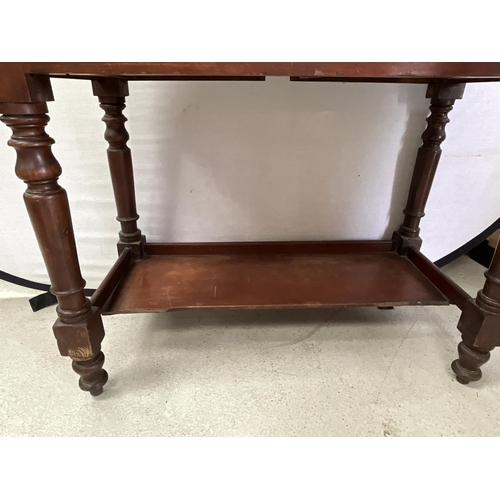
x: 109, y: 283
x: 295, y: 69
x: 79, y: 330
x: 456, y: 294
x: 30, y: 81
x: 111, y: 93
x: 234, y: 275
x: 247, y: 281
x: 442, y: 99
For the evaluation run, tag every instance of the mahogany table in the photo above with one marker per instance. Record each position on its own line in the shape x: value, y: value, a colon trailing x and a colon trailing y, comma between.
x: 168, y: 276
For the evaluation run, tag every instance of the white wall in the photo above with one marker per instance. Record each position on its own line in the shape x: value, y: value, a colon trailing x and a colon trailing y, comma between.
x: 274, y: 160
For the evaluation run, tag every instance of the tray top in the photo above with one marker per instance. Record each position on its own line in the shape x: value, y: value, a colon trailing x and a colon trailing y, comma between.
x: 28, y: 81
x: 382, y: 70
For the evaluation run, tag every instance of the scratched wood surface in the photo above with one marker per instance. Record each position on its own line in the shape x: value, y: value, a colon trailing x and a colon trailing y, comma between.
x: 30, y: 81
x: 163, y: 283
x: 312, y: 69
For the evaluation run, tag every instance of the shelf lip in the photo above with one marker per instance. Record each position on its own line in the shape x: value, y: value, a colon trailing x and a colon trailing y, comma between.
x: 272, y: 307
x: 104, y: 291
x: 271, y: 276
x: 453, y: 292
x: 270, y: 247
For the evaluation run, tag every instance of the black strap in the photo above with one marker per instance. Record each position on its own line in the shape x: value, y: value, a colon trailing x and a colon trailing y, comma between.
x: 40, y: 301
x: 43, y: 300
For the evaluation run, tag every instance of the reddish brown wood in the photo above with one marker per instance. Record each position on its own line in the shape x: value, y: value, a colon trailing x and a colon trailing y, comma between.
x: 480, y: 326
x: 103, y: 293
x: 172, y: 78
x: 79, y: 330
x: 92, y: 376
x: 18, y: 85
x: 29, y: 82
x: 111, y: 93
x: 406, y: 79
x: 455, y: 294
x: 256, y: 247
x: 279, y: 280
x: 467, y: 366
x: 249, y: 275
x: 442, y: 99
x: 423, y: 70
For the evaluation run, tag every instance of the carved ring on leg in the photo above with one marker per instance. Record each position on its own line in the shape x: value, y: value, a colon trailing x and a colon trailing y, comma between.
x: 466, y: 367
x: 92, y: 375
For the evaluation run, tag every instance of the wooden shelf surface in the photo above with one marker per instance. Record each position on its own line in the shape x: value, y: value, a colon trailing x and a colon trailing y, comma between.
x: 271, y: 280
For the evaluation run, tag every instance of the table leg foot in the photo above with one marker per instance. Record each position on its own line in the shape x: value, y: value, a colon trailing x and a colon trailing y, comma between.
x: 467, y: 366
x: 92, y: 376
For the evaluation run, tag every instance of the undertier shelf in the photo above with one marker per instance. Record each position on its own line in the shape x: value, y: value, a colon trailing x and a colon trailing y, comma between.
x: 270, y: 280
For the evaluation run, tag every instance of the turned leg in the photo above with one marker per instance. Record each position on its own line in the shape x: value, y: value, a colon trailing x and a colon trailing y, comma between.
x: 92, y: 376
x: 112, y: 93
x: 79, y: 329
x: 443, y: 97
x: 466, y: 367
x: 480, y: 326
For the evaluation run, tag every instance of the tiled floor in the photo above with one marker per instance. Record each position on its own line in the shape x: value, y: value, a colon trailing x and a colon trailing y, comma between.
x: 354, y: 372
